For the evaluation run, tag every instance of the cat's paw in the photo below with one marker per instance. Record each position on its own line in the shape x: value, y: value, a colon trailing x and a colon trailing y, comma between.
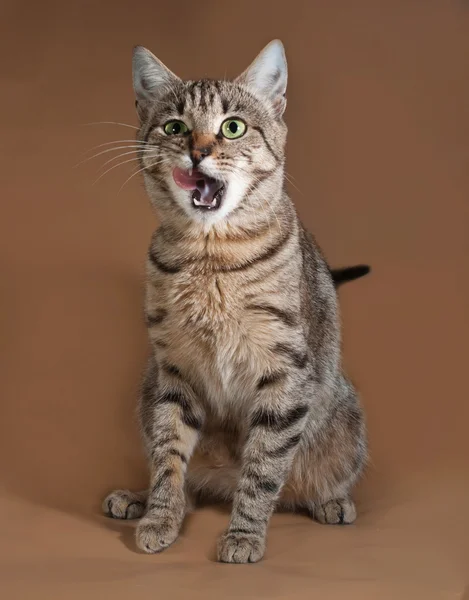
x: 155, y: 535
x: 240, y: 547
x: 123, y: 504
x: 336, y: 512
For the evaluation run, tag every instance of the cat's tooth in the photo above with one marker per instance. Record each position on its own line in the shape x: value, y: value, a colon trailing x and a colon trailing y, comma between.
x: 190, y: 172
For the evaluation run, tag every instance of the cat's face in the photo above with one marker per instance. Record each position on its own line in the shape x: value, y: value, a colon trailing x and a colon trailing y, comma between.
x: 208, y: 145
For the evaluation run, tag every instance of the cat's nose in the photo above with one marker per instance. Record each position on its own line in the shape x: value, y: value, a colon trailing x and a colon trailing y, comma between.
x: 201, y: 145
x: 198, y: 154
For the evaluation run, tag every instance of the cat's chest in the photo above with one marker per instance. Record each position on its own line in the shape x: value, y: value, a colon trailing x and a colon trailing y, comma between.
x: 213, y: 335
x: 201, y: 301
x: 208, y: 314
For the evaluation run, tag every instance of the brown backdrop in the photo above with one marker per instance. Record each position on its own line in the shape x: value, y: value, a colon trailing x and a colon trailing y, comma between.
x: 378, y: 149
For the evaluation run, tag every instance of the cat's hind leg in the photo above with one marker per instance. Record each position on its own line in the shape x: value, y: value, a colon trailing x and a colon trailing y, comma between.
x: 124, y: 504
x: 338, y: 511
x: 330, y: 462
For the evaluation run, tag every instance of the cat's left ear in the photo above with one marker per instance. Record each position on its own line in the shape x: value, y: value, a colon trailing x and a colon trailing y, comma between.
x: 267, y: 76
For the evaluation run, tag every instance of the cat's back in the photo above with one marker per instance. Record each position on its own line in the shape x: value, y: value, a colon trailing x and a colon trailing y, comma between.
x: 319, y: 309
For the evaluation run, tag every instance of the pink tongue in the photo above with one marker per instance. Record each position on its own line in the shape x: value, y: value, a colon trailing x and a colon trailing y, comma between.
x: 197, y: 181
x: 186, y: 181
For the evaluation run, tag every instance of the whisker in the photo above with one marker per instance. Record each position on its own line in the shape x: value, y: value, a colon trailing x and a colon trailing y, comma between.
x: 131, y: 177
x: 114, y: 167
x: 287, y: 177
x: 85, y: 160
x: 139, y: 171
x: 273, y: 212
x: 134, y: 141
x: 124, y: 154
x: 109, y: 123
x: 294, y: 178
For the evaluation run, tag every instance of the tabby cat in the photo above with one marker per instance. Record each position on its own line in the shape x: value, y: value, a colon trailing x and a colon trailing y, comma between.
x: 244, y: 398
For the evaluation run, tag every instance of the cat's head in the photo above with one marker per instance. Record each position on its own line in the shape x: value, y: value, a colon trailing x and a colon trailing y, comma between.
x: 209, y: 147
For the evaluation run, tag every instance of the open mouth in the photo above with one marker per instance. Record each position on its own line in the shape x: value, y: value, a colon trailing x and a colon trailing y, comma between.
x: 207, y: 193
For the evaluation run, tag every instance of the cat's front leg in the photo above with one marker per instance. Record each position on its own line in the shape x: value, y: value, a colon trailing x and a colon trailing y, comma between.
x: 276, y: 425
x: 176, y: 420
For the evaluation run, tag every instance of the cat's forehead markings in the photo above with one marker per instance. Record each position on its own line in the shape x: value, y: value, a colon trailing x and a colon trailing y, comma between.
x: 194, y: 93
x: 181, y: 105
x: 204, y: 96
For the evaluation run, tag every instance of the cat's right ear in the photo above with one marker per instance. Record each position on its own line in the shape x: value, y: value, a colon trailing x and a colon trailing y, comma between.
x: 151, y: 78
x: 267, y: 76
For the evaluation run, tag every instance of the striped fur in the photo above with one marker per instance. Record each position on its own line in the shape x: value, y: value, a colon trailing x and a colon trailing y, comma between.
x: 244, y: 398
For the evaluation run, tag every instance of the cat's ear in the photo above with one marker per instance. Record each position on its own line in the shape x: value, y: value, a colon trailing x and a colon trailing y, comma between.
x: 267, y: 75
x: 151, y: 78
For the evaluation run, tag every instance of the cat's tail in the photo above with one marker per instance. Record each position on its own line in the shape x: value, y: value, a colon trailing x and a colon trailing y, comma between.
x: 340, y: 276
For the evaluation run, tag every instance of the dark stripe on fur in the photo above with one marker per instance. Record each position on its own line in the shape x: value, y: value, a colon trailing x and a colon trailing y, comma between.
x: 191, y: 92
x: 269, y: 147
x: 262, y: 175
x: 166, y: 474
x: 253, y: 494
x: 266, y: 485
x: 162, y: 185
x: 175, y: 452
x: 202, y: 99
x: 166, y: 439
x: 276, y: 421
x: 270, y: 378
x: 181, y: 106
x: 340, y: 276
x: 299, y: 360
x: 161, y: 266
x: 244, y: 515
x: 156, y: 318
x: 188, y: 417
x: 270, y: 253
x: 341, y: 514
x: 158, y: 505
x: 285, y: 448
x: 161, y: 441
x: 148, y: 391
x: 171, y: 369
x: 282, y: 315
x: 241, y: 530
x: 148, y: 133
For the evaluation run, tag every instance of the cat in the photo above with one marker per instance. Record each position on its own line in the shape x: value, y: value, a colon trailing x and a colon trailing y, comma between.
x: 244, y: 398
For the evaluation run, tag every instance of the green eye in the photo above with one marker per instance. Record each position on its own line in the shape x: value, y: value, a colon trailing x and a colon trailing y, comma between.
x: 233, y: 128
x: 175, y: 128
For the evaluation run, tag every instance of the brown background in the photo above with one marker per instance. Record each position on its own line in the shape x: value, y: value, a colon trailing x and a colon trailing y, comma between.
x: 379, y: 122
